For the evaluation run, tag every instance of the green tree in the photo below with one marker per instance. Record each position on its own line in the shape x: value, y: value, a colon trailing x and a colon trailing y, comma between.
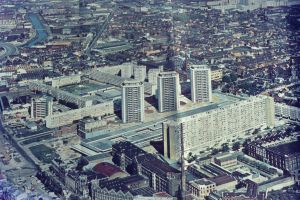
x: 236, y: 146
x: 214, y: 151
x: 225, y: 147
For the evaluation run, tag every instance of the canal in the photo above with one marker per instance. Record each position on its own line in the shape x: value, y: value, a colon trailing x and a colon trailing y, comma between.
x: 41, y: 34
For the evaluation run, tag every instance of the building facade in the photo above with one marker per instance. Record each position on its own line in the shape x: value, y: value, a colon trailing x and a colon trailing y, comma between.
x: 217, y: 124
x: 140, y: 72
x: 201, y: 188
x: 288, y: 112
x: 283, y: 156
x: 201, y: 89
x: 41, y: 107
x: 132, y: 101
x: 168, y: 91
x: 216, y: 74
x: 161, y: 176
x: 65, y: 118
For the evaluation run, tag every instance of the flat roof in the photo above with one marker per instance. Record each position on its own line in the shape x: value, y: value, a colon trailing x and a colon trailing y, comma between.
x: 139, y: 133
x: 84, y: 88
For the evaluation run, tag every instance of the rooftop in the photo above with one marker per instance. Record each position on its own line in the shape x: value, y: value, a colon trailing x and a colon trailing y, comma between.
x: 106, y: 169
x: 287, y: 149
x: 157, y: 166
x: 121, y: 184
x: 222, y: 179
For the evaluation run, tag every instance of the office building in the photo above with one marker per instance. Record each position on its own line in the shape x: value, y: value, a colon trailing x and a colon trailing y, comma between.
x: 41, y: 107
x: 139, y: 72
x: 168, y: 91
x: 132, y: 101
x: 214, y: 124
x: 201, y: 89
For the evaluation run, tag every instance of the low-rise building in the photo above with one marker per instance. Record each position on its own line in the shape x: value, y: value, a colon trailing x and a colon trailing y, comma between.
x: 283, y: 156
x: 162, y: 177
x: 200, y: 188
x: 226, y: 161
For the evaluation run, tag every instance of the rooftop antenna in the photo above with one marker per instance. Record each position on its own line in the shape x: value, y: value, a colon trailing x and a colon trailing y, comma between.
x: 183, y: 178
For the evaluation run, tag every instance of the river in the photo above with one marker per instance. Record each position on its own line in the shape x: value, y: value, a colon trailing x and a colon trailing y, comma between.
x: 41, y: 34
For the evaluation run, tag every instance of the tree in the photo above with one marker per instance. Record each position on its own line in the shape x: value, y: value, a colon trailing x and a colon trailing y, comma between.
x: 214, y: 151
x: 81, y: 163
x: 233, y: 77
x: 236, y: 146
x: 226, y: 79
x: 225, y: 147
x: 245, y: 143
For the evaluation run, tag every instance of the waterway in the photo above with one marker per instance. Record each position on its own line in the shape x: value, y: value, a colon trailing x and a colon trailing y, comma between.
x: 41, y: 34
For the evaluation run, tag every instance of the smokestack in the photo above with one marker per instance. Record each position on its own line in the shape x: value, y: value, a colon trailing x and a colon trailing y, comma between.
x: 182, y: 165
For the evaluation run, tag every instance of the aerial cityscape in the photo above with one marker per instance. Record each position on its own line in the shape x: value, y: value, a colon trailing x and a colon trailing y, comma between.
x: 150, y: 99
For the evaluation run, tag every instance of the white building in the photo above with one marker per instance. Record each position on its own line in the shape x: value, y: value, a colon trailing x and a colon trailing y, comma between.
x: 41, y: 107
x: 201, y: 88
x: 216, y: 123
x: 139, y: 72
x: 132, y: 101
x: 286, y: 111
x: 68, y: 117
x: 168, y: 91
x: 152, y: 78
x: 66, y: 80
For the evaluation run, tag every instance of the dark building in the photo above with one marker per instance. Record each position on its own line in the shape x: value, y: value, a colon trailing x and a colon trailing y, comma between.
x: 251, y: 193
x: 283, y: 156
x: 162, y: 177
x: 121, y: 188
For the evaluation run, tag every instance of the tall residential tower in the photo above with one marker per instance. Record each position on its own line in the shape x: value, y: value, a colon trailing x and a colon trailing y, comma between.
x: 132, y: 101
x: 168, y: 91
x: 201, y: 89
x: 41, y: 107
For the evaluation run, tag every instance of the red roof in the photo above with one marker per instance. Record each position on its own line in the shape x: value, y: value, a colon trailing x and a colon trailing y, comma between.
x: 106, y: 169
x: 161, y: 194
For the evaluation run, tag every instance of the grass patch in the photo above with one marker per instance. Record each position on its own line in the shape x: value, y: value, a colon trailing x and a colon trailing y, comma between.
x: 44, y: 153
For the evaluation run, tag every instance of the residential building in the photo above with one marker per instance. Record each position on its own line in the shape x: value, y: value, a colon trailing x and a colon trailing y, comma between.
x: 132, y: 101
x: 216, y: 123
x: 201, y: 89
x: 216, y: 74
x: 284, y: 156
x: 162, y: 177
x: 139, y: 72
x: 168, y: 91
x: 41, y: 107
x: 288, y: 112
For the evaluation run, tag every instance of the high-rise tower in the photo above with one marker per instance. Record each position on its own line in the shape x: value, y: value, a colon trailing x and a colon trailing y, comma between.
x: 201, y: 88
x: 132, y: 101
x: 168, y: 91
x: 41, y: 107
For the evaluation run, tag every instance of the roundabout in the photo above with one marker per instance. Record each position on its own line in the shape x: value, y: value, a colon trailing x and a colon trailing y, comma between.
x: 7, y: 49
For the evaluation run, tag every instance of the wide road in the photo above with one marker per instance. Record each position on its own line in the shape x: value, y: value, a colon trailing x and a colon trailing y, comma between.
x: 100, y: 30
x: 7, y: 49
